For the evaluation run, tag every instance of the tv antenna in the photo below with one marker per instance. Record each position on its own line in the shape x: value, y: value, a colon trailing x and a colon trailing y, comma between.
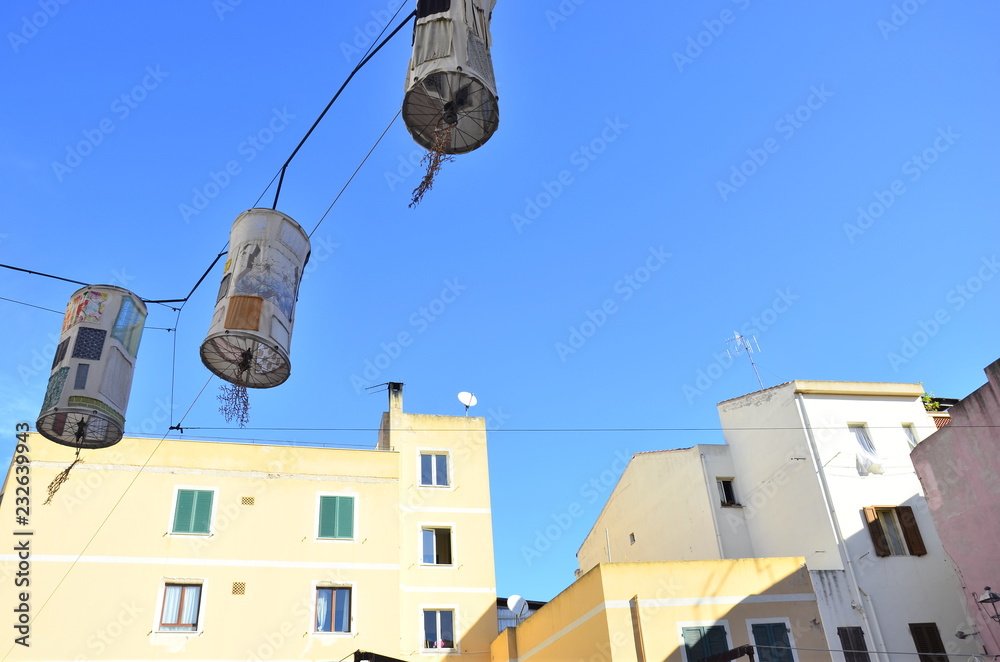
x: 742, y: 344
x: 467, y: 399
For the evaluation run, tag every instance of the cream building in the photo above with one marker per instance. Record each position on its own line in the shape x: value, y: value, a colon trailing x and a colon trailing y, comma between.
x: 814, y: 469
x: 674, y: 612
x: 196, y: 550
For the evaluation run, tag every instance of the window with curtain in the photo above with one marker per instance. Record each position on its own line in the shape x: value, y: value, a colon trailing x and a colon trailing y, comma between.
x: 193, y: 511
x: 868, y: 460
x: 181, y: 605
x: 911, y: 435
x: 336, y: 517
x: 333, y: 609
x: 439, y: 628
x: 437, y: 546
x: 704, y: 641
x: 773, y: 644
x: 434, y: 469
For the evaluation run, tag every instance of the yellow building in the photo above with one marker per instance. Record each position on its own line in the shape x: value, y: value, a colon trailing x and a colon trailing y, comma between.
x: 679, y: 611
x: 223, y: 551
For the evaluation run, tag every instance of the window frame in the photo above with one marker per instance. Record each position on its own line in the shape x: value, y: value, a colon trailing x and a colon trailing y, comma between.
x: 908, y: 528
x: 857, y: 655
x: 352, y: 609
x: 450, y: 528
x: 162, y: 600
x: 720, y: 483
x: 433, y: 452
x: 775, y: 620
x: 934, y: 637
x: 211, y: 516
x: 682, y: 625
x: 456, y: 642
x: 871, y: 448
x: 319, y: 519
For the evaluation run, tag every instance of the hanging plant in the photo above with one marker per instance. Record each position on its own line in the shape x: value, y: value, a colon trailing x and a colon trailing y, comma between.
x: 435, y: 157
x: 234, y: 404
x: 60, y: 478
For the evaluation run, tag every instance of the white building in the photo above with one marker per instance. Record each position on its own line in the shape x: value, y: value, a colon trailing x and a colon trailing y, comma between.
x: 813, y: 469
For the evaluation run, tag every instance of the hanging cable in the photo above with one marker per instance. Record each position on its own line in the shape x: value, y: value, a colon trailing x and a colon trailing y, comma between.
x: 351, y: 178
x: 364, y: 61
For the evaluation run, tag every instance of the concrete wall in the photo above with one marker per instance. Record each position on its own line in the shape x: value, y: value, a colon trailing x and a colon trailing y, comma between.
x: 102, y: 550
x: 594, y: 618
x: 959, y: 468
x: 669, y: 502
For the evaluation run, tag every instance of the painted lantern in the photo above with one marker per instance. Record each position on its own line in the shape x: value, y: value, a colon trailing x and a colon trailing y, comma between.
x: 249, y: 341
x: 91, y: 378
x: 451, y: 98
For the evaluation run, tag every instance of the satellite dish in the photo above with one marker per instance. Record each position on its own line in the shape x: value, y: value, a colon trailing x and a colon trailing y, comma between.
x: 517, y: 605
x: 467, y: 399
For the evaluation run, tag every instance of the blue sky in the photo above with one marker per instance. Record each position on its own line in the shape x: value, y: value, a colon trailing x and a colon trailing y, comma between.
x: 822, y: 176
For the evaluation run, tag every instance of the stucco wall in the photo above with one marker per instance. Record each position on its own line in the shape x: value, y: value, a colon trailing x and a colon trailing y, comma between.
x: 959, y: 468
x: 103, y: 549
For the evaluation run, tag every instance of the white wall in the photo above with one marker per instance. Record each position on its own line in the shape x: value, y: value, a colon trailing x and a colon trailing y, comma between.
x: 903, y: 589
x: 784, y: 508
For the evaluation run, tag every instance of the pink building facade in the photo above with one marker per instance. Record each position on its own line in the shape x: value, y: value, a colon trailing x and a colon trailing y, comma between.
x: 959, y: 467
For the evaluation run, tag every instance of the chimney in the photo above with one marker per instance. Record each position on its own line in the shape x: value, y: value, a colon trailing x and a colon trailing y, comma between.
x: 396, y: 396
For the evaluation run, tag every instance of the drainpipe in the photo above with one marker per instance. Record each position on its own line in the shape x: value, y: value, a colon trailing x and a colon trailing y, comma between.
x: 860, y: 596
x: 711, y: 507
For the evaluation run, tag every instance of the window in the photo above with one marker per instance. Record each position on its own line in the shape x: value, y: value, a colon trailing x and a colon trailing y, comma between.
x: 336, y: 517
x: 927, y: 639
x: 181, y: 603
x: 437, y: 546
x: 861, y: 434
x: 333, y: 609
x: 434, y: 469
x: 852, y: 641
x: 439, y: 628
x: 631, y: 538
x: 868, y: 460
x: 193, y: 512
x: 911, y: 435
x: 894, y: 531
x: 726, y: 492
x: 128, y: 325
x: 428, y: 7
x: 704, y: 641
x: 772, y: 634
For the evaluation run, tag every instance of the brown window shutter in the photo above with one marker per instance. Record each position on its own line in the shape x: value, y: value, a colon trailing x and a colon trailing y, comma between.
x: 910, y: 531
x: 852, y: 641
x: 244, y: 312
x: 927, y: 640
x: 877, y: 534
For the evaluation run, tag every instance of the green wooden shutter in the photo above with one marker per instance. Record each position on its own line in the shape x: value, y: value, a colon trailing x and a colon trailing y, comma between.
x: 327, y: 517
x: 772, y: 634
x: 193, y: 513
x: 336, y: 517
x: 183, y: 511
x: 715, y: 640
x: 345, y: 517
x: 692, y: 643
x: 202, y: 520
